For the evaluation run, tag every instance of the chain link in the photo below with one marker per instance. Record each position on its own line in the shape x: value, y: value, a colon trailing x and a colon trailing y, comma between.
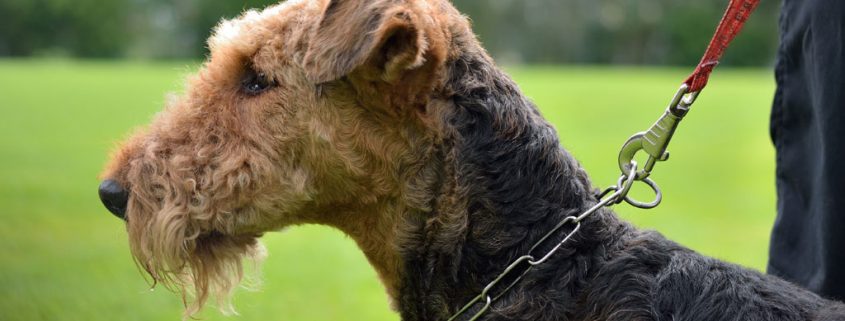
x: 612, y: 195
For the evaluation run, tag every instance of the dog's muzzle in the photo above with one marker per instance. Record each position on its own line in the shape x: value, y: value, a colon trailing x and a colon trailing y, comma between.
x: 114, y: 197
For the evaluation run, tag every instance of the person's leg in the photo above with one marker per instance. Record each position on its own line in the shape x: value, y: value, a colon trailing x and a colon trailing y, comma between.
x: 808, y: 130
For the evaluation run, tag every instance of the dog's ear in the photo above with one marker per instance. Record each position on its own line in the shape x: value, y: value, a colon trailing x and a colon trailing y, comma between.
x: 384, y: 39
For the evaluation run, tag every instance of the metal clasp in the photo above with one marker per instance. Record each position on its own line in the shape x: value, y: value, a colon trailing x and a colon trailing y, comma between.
x: 656, y: 139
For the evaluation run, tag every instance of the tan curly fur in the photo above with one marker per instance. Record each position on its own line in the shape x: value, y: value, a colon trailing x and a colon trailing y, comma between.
x: 342, y: 139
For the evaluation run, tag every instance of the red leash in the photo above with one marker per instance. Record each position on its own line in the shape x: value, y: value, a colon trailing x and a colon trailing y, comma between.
x: 656, y: 139
x: 735, y: 16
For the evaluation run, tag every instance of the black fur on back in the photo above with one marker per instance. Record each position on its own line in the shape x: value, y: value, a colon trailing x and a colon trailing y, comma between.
x: 506, y: 182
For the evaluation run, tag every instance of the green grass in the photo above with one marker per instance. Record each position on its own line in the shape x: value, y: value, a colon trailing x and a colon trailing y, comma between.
x: 63, y: 257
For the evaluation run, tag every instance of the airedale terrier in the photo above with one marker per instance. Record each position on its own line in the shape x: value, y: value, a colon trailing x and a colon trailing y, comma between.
x: 387, y: 120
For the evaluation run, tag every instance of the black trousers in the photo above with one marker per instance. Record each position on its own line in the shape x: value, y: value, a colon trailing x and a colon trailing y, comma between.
x: 808, y: 131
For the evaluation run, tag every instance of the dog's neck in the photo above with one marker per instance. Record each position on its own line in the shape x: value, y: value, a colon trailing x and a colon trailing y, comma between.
x: 506, y: 182
x: 490, y: 186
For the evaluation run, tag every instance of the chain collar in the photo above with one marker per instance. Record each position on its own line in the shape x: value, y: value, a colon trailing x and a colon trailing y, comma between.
x: 653, y: 142
x: 612, y: 195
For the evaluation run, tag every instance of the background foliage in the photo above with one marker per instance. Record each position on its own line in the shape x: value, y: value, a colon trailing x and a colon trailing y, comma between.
x: 514, y: 31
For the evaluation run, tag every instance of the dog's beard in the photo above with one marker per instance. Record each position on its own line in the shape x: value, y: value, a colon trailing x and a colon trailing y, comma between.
x: 183, y: 258
x: 182, y: 227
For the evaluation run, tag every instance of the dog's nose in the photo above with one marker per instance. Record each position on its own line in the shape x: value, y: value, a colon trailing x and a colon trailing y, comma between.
x: 114, y: 197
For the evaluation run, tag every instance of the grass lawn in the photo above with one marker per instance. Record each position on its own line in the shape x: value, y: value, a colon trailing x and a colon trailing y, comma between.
x: 63, y: 257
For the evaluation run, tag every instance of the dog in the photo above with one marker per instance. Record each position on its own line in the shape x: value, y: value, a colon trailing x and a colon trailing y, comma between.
x: 387, y: 120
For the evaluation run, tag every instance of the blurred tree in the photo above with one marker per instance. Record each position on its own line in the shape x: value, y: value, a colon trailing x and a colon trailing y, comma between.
x: 514, y: 31
x: 179, y: 29
x: 616, y: 31
x: 89, y: 28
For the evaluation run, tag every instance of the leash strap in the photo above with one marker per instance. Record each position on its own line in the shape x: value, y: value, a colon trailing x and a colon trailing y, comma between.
x: 732, y: 22
x: 655, y: 140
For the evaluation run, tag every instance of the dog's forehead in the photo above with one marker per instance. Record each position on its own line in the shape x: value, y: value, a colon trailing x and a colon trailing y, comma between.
x: 246, y: 32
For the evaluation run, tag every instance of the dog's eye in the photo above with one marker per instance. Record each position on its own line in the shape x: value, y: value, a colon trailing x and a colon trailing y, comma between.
x: 255, y: 83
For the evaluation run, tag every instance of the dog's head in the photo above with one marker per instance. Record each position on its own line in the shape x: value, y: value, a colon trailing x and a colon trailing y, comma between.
x: 305, y: 112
